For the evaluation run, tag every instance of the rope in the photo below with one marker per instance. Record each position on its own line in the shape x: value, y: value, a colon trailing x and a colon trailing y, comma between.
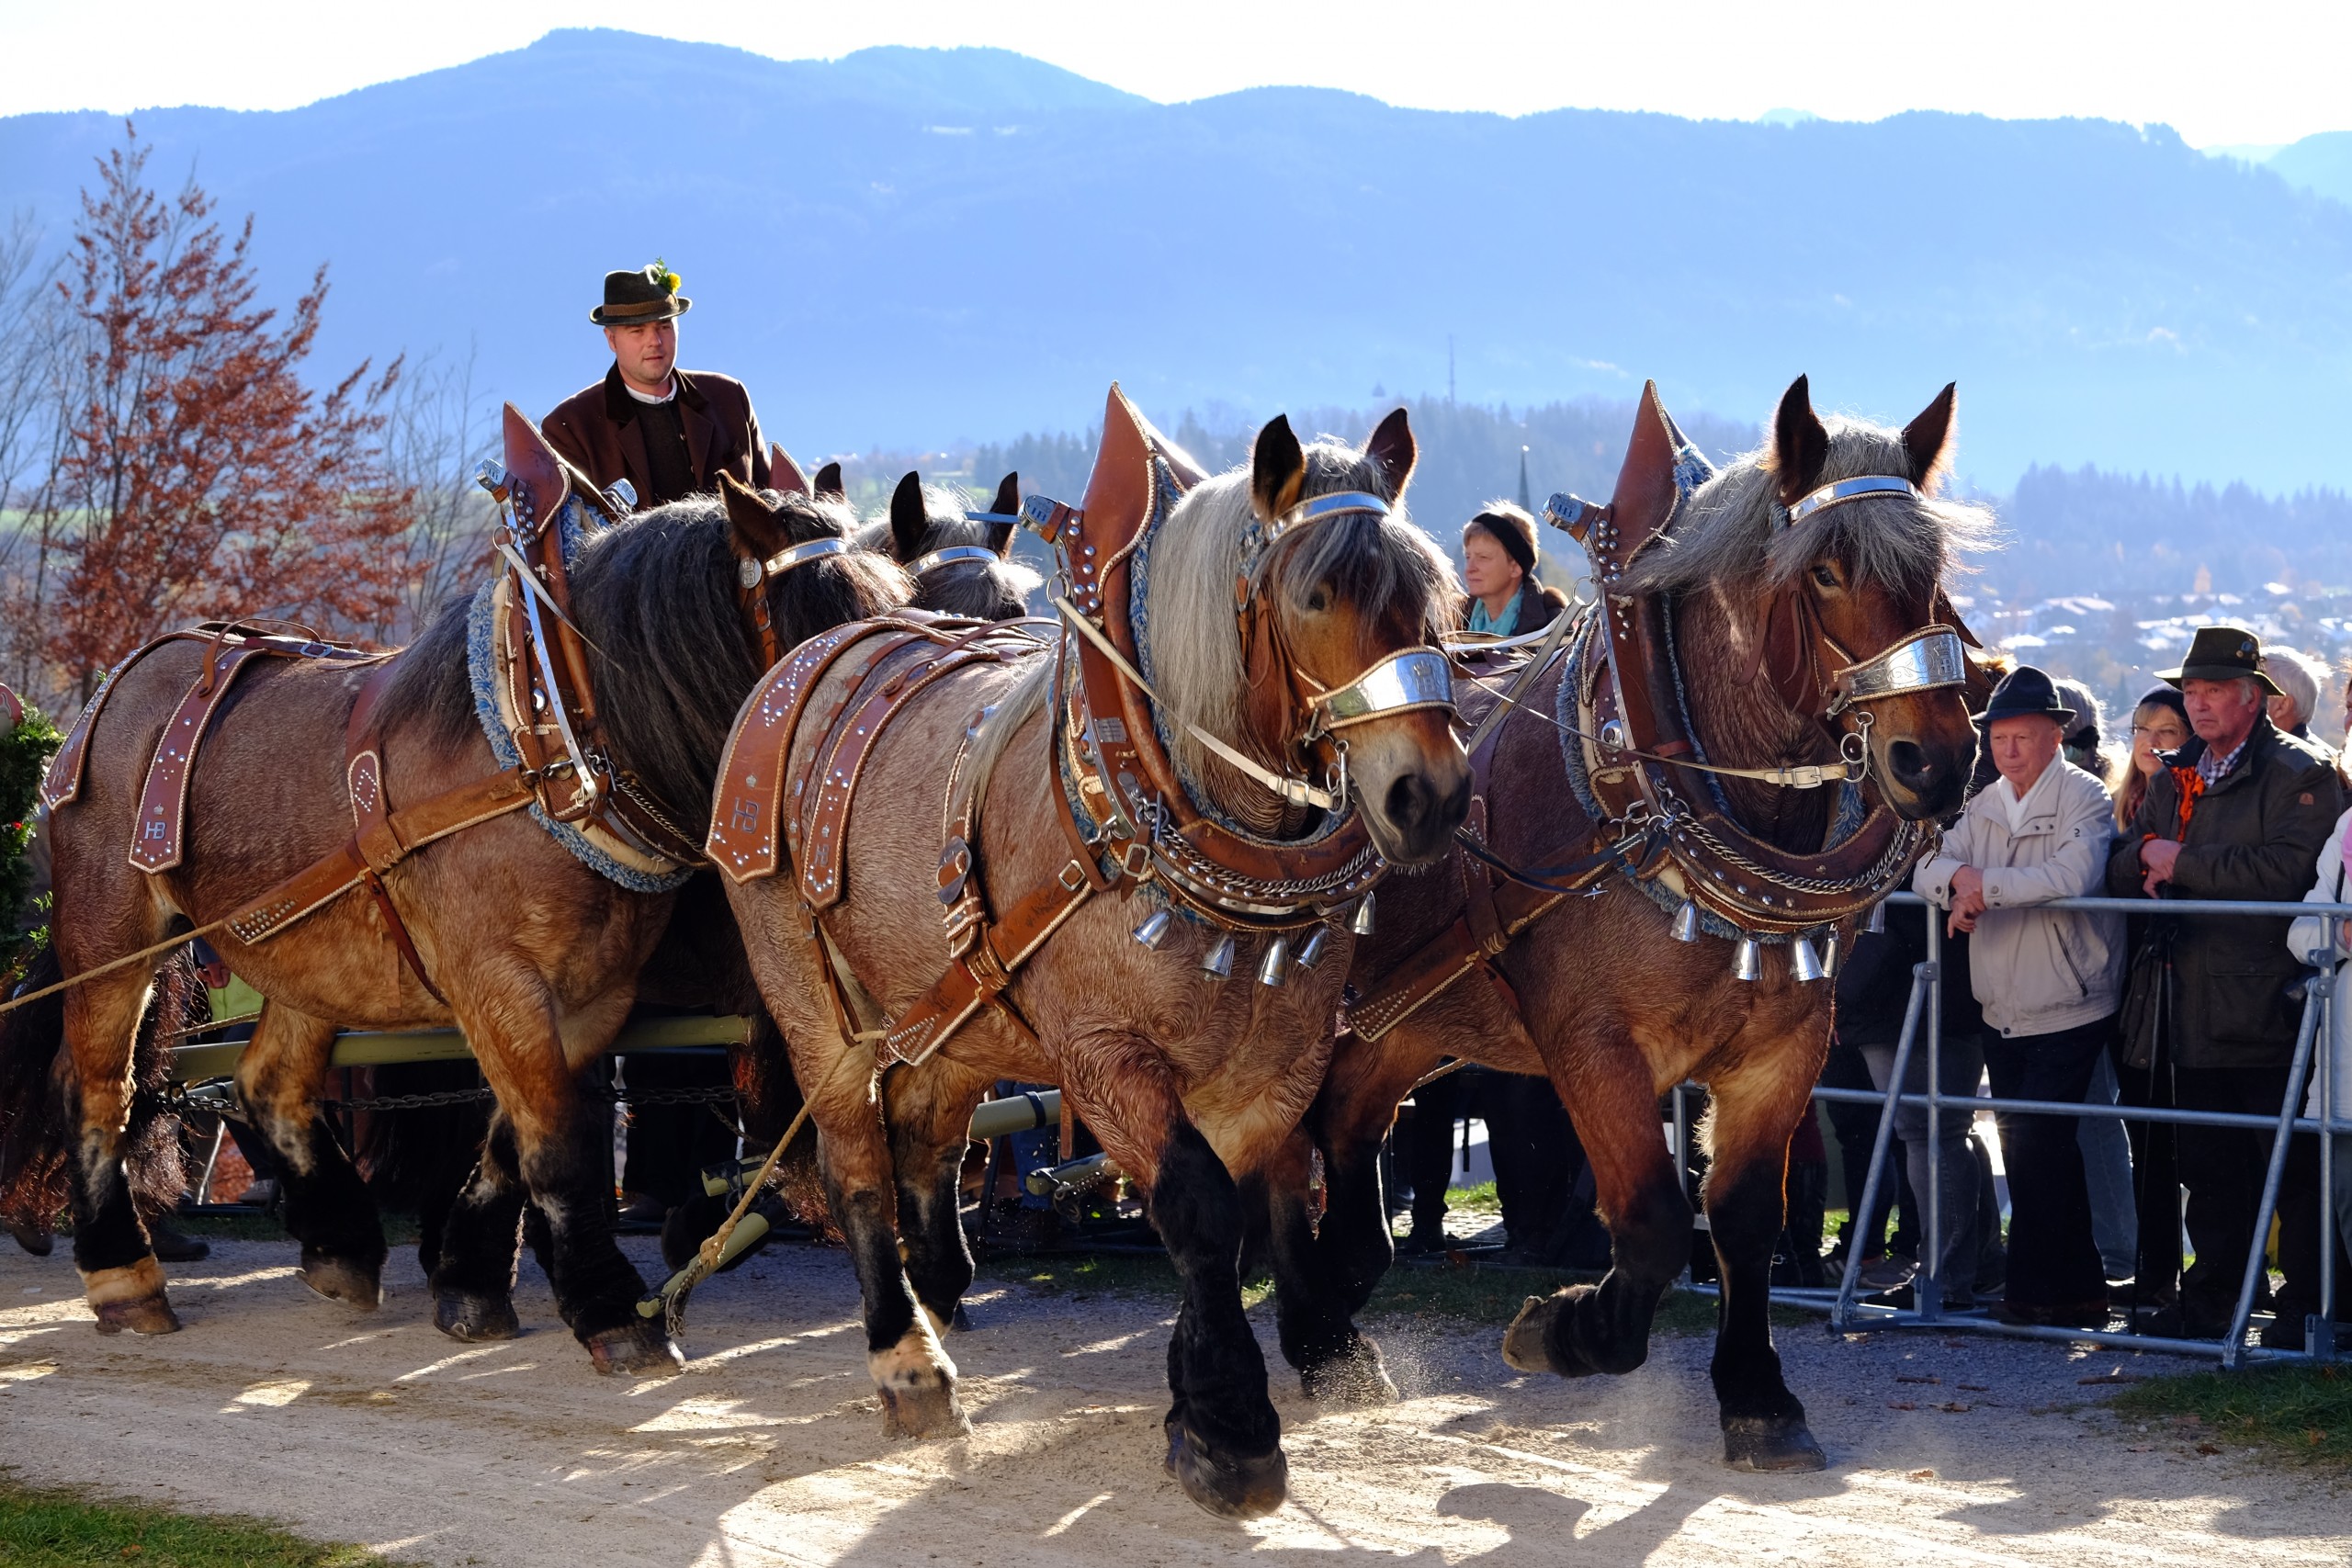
x: 706, y: 1258
x: 1808, y: 776
x: 155, y: 950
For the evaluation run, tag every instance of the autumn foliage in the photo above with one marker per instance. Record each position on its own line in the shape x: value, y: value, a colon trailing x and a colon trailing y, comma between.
x: 200, y: 477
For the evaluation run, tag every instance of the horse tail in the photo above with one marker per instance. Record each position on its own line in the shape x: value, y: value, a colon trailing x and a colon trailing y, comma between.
x: 38, y: 1103
x: 32, y: 1106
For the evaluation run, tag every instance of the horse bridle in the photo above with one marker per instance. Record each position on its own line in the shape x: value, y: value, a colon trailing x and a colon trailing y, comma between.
x: 1925, y: 660
x: 1400, y: 681
x: 753, y: 573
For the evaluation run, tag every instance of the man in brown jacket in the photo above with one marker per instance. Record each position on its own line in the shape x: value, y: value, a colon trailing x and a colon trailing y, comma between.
x: 670, y: 433
x: 2240, y: 813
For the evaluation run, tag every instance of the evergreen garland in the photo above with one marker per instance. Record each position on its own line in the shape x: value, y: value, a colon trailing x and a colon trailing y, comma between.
x: 25, y: 752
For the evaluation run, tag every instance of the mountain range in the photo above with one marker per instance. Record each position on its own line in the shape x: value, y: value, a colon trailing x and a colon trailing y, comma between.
x: 911, y: 247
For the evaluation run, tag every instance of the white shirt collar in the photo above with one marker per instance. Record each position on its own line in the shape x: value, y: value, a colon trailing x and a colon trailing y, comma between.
x: 642, y: 398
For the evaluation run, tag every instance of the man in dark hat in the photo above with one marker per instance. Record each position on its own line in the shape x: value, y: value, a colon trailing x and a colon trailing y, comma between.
x: 2238, y: 813
x: 2049, y: 980
x: 670, y: 433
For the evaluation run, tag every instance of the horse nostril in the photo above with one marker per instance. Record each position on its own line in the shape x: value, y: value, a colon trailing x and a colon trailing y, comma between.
x: 1409, y: 802
x: 1911, y: 765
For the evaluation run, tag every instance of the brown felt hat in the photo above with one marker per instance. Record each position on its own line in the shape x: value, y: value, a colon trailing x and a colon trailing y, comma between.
x: 2222, y: 653
x: 633, y: 298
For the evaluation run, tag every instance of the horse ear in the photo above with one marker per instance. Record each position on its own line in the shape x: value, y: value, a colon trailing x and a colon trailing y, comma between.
x: 1393, y: 447
x: 1800, y: 445
x: 1277, y: 470
x: 759, y: 533
x: 1927, y: 439
x: 910, y: 524
x: 1007, y: 504
x: 784, y: 474
x: 829, y: 483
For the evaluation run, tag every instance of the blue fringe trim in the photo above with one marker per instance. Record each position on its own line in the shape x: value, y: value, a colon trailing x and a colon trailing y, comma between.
x: 482, y: 670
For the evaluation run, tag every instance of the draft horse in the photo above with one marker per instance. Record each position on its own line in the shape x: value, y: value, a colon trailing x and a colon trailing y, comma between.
x: 1242, y: 716
x: 497, y: 929
x: 1785, y: 620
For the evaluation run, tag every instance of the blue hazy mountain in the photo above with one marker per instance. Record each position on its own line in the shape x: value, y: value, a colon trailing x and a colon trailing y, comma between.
x: 2320, y: 163
x: 915, y: 247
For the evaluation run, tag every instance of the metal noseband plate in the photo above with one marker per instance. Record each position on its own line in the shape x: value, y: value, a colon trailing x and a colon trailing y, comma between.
x: 1409, y: 678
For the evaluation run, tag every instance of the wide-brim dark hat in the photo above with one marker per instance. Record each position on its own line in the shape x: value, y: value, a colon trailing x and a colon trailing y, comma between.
x: 633, y: 298
x: 2222, y: 653
x: 2026, y: 691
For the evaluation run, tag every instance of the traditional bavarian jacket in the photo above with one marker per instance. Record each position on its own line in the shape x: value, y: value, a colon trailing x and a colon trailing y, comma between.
x: 2036, y: 971
x: 603, y: 432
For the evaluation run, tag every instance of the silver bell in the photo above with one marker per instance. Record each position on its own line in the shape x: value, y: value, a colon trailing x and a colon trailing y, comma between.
x: 1153, y: 932
x: 1686, y: 922
x: 1829, y: 954
x: 1876, y: 924
x: 1220, y: 962
x: 1311, y: 952
x: 1748, y: 959
x: 1805, y: 963
x: 1361, y: 921
x: 1274, y: 967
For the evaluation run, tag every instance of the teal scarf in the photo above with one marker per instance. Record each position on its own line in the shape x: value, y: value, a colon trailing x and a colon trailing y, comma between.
x: 1495, y: 625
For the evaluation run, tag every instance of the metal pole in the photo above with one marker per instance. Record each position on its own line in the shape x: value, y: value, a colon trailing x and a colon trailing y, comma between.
x: 1682, y: 1169
x: 1841, y: 1317
x: 1928, y: 1284
x: 2234, y: 1346
x: 2319, y: 1336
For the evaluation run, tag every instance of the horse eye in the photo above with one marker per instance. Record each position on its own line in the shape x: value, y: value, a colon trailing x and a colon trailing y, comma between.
x: 1824, y: 577
x: 1319, y: 600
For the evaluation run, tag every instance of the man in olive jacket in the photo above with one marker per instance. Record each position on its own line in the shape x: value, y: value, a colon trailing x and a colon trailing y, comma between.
x: 670, y: 433
x: 2258, y: 804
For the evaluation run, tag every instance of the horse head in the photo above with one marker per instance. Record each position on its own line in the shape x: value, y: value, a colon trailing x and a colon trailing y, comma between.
x: 798, y: 566
x: 961, y: 560
x: 1824, y: 555
x: 1311, y: 605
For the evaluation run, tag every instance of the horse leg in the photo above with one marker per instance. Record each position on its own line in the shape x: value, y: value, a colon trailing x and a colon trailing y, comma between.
x: 328, y: 1207
x: 120, y: 1278
x: 1755, y: 1108
x: 1585, y: 1329
x: 537, y: 1073
x: 477, y: 1244
x: 1317, y: 1275
x: 1224, y: 1436
x: 930, y: 1122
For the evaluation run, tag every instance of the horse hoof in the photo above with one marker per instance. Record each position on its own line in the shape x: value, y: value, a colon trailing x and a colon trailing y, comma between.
x: 1770, y: 1443
x: 32, y: 1239
x: 345, y: 1279
x: 1354, y: 1376
x: 1228, y: 1485
x: 131, y: 1298
x: 640, y: 1348
x: 917, y: 1383
x: 474, y: 1319
x: 1524, y: 1342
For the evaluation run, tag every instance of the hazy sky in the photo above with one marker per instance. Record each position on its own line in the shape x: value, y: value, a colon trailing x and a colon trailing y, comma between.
x: 2247, y: 72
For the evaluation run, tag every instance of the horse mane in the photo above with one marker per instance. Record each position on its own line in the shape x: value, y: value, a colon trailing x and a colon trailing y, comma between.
x: 656, y: 594
x: 1379, y: 564
x: 1725, y: 528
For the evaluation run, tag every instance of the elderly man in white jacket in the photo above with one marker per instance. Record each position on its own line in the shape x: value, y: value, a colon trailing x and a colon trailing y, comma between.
x: 2049, y: 981
x: 2307, y: 938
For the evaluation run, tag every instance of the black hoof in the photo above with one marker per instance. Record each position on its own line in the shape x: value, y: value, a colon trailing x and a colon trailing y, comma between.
x: 1770, y: 1443
x: 32, y: 1239
x: 1354, y: 1376
x: 345, y: 1279
x: 640, y: 1348
x: 474, y: 1319
x: 1227, y: 1486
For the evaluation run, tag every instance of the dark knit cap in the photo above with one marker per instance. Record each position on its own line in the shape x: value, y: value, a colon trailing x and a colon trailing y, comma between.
x: 2164, y: 697
x: 1512, y: 528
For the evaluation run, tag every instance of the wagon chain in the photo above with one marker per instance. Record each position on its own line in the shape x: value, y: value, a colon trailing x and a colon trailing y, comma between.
x: 182, y: 1097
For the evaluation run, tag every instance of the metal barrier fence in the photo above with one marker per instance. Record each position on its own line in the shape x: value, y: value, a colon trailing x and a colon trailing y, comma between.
x: 1924, y: 1007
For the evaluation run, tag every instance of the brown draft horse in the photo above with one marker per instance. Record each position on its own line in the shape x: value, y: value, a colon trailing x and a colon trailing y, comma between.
x: 961, y: 561
x: 537, y: 955
x: 1596, y: 994
x: 1190, y: 1080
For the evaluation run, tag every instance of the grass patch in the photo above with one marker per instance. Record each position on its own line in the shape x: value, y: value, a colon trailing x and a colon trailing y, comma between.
x: 1480, y: 1198
x: 2298, y: 1412
x: 41, y: 1526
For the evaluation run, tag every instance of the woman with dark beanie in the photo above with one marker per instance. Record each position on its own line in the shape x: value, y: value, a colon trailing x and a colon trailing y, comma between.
x: 1498, y: 568
x: 2159, y: 724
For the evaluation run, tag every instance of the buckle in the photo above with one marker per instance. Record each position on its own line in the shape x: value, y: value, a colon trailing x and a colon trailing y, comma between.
x: 1072, y: 878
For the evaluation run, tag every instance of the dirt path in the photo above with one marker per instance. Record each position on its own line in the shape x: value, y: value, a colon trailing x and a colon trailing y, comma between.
x: 768, y: 1450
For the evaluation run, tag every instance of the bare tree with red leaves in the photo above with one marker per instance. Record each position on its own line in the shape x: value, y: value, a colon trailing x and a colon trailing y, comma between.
x: 201, y: 477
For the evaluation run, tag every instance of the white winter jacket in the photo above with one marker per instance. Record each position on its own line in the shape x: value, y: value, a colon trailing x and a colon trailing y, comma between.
x: 2037, y: 971
x: 2307, y: 940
